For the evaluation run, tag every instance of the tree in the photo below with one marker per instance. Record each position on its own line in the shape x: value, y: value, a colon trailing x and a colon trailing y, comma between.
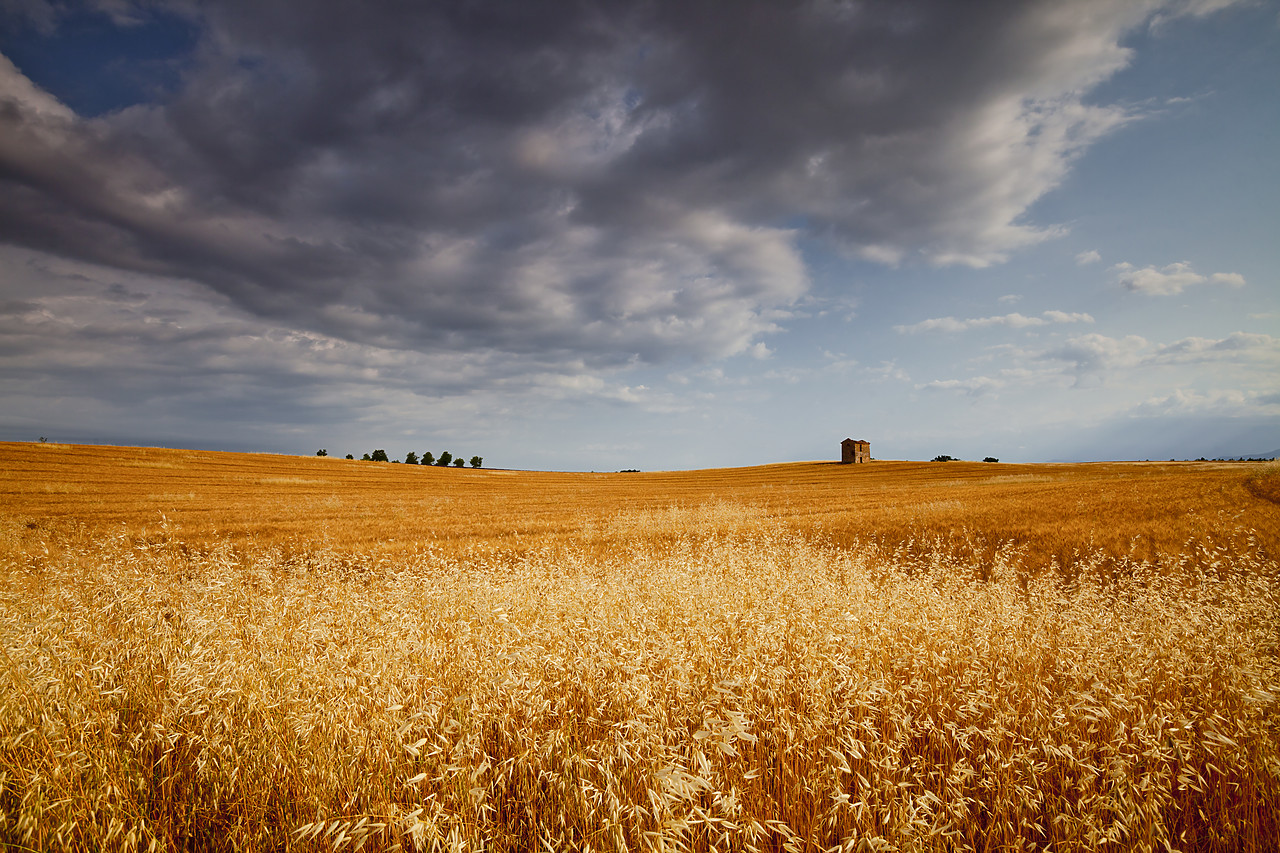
x: 944, y: 459
x: 349, y: 456
x: 411, y: 458
x: 322, y: 452
x: 380, y: 456
x: 445, y: 458
x: 476, y: 461
x: 366, y: 458
x: 458, y: 463
x: 991, y: 459
x: 428, y: 459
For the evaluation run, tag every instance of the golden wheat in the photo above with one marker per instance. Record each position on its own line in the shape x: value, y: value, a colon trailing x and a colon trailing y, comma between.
x: 656, y: 665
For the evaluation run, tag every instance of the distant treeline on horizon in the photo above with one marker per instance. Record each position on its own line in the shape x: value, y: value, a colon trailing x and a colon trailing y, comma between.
x: 444, y: 461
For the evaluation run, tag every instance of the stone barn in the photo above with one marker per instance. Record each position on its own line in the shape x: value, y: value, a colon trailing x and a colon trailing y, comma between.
x: 855, y: 450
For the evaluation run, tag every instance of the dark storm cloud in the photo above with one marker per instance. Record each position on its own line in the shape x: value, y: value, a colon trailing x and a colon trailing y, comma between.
x: 595, y: 181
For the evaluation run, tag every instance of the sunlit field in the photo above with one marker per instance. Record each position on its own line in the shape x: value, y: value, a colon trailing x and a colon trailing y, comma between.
x: 253, y: 652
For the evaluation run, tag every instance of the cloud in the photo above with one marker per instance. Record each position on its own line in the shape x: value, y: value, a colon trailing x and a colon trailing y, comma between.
x: 1189, y: 8
x: 1013, y: 321
x: 1129, y: 377
x: 1068, y: 317
x: 1222, y: 402
x: 1089, y: 257
x: 1238, y: 347
x: 558, y: 187
x: 159, y: 351
x: 886, y: 371
x: 1095, y: 354
x: 1170, y: 280
x: 974, y: 387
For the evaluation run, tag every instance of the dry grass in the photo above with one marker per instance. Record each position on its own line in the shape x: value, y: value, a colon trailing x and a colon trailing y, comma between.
x: 318, y: 654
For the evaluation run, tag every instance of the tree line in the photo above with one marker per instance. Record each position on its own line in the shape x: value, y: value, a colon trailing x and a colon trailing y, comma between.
x: 444, y: 461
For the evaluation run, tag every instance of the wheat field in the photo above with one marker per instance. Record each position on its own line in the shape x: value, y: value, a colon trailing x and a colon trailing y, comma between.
x: 208, y: 651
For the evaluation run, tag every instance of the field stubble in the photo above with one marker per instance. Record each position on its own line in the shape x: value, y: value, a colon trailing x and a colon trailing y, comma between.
x: 318, y: 654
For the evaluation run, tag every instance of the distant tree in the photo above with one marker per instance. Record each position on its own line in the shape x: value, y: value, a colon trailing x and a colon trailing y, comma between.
x: 380, y: 456
x: 411, y: 458
x: 428, y: 459
x: 349, y: 456
x: 43, y: 439
x: 476, y: 461
x: 459, y: 463
x: 445, y: 458
x: 944, y: 459
x: 322, y: 452
x: 366, y: 458
x: 991, y: 459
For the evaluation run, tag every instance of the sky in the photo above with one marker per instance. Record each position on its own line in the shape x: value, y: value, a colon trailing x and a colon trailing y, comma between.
x: 667, y: 234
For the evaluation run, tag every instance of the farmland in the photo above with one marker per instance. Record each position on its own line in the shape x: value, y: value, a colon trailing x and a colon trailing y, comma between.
x: 238, y: 651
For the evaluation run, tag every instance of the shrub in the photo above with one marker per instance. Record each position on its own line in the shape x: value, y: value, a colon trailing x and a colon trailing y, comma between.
x: 322, y: 452
x: 945, y: 459
x: 991, y: 459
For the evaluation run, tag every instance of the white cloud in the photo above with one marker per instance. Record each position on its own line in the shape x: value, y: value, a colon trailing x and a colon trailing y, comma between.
x: 19, y: 93
x: 974, y: 387
x: 890, y: 256
x: 791, y: 376
x: 1223, y: 402
x: 1252, y: 358
x: 1068, y: 317
x: 1089, y: 257
x: 1095, y: 354
x: 838, y: 362
x: 1191, y: 8
x: 1238, y: 347
x: 887, y: 370
x: 1013, y: 321
x: 1171, y: 279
